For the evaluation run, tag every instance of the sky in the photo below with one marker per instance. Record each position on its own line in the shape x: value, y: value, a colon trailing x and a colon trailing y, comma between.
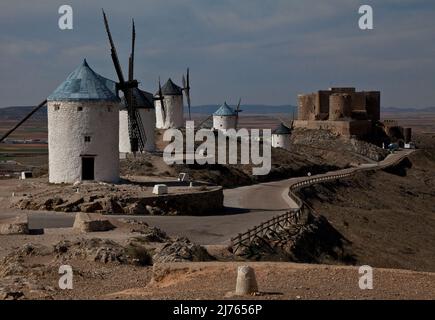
x: 264, y: 51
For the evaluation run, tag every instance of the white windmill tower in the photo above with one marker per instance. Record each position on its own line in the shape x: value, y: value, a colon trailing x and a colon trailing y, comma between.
x: 226, y: 118
x: 281, y: 135
x: 171, y: 115
x: 144, y: 104
x: 83, y: 128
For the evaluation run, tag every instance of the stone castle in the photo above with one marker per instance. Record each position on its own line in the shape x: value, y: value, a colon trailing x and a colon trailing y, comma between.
x: 343, y: 111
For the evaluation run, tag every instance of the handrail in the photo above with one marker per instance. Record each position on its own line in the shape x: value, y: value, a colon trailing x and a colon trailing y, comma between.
x: 294, y: 215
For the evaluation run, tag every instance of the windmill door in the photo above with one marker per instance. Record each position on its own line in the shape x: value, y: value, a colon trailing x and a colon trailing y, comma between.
x: 88, y: 166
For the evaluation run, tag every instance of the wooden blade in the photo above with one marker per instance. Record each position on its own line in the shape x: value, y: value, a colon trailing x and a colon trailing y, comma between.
x: 188, y: 79
x: 131, y: 59
x: 114, y: 54
x: 183, y: 81
x: 186, y: 89
x: 162, y: 102
x: 238, y: 105
x: 237, y: 112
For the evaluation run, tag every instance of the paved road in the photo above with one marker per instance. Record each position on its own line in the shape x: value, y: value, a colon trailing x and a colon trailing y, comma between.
x: 246, y: 207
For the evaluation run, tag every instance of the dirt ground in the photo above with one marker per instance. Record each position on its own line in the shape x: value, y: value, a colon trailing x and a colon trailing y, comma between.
x: 387, y: 217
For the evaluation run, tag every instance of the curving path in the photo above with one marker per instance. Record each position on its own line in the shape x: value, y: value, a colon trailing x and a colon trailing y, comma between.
x: 246, y: 207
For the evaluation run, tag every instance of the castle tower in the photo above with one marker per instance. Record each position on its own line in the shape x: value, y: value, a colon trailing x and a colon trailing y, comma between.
x: 340, y: 106
x: 173, y: 115
x: 306, y: 106
x: 144, y: 102
x: 83, y: 124
x: 373, y: 105
x: 281, y: 137
x: 224, y: 118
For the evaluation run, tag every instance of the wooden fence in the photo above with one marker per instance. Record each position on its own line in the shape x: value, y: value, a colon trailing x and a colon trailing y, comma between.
x: 282, y: 222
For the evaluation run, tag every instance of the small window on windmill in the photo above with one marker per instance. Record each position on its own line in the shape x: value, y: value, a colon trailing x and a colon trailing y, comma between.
x: 109, y: 109
x: 56, y: 107
x: 79, y: 108
x: 87, y: 138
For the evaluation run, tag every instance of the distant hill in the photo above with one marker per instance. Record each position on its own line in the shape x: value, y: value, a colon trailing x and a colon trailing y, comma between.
x: 19, y: 112
x: 398, y: 110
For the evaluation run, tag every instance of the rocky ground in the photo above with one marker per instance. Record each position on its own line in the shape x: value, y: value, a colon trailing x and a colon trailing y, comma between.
x: 102, y: 262
x: 380, y: 218
x: 133, y: 196
x: 315, y: 151
x: 384, y: 219
x: 387, y: 217
x: 279, y: 281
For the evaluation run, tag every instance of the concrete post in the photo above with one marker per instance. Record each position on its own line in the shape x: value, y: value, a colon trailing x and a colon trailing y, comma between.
x: 246, y: 281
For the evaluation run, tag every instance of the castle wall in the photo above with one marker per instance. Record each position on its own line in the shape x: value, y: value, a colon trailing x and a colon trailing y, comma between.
x: 373, y: 105
x: 358, y: 101
x: 348, y: 90
x: 340, y: 106
x: 68, y: 125
x: 322, y: 105
x: 306, y: 106
x: 344, y: 128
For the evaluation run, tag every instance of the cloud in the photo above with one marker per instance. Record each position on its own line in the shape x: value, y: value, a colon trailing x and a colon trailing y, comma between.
x: 266, y: 51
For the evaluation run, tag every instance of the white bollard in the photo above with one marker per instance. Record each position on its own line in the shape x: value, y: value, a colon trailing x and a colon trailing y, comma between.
x: 246, y: 281
x: 160, y: 189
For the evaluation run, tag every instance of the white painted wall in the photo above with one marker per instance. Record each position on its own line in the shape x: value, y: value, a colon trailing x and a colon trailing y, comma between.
x: 281, y: 141
x: 124, y: 138
x: 148, y: 118
x: 174, y: 113
x: 224, y: 123
x: 67, y: 128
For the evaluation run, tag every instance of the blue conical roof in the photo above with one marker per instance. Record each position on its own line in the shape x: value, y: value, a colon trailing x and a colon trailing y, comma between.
x: 85, y: 84
x: 225, y: 110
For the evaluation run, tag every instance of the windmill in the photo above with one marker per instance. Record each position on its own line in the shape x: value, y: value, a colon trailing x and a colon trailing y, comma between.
x: 135, y: 128
x: 186, y: 90
x: 289, y: 125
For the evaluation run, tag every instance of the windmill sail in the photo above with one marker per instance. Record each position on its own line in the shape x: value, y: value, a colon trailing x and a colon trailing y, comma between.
x: 135, y: 128
x: 7, y: 134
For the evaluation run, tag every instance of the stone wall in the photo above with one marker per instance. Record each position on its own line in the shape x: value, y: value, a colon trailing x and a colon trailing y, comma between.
x: 187, y: 204
x: 345, y: 128
x: 339, y: 106
x: 201, y: 201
